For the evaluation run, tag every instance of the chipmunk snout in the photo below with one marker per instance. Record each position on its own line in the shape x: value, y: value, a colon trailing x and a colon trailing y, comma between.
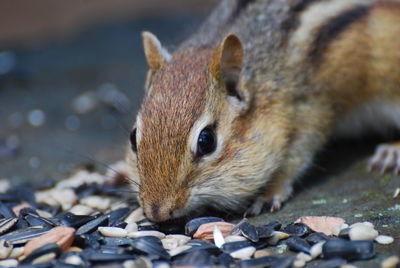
x: 159, y: 211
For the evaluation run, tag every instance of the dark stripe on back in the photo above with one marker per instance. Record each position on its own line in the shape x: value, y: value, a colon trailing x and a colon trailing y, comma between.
x: 333, y: 28
x: 240, y: 6
x: 293, y: 20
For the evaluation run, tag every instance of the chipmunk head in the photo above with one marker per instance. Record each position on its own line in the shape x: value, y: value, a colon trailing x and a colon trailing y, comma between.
x: 188, y: 144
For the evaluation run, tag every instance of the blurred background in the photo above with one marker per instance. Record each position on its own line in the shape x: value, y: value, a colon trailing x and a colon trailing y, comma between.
x: 72, y: 75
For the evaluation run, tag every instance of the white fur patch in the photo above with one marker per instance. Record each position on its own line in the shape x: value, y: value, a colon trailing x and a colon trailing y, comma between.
x: 198, y: 126
x: 378, y: 115
x: 139, y: 129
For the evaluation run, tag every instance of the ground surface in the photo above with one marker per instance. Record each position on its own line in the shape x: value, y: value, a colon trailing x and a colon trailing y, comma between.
x: 50, y: 77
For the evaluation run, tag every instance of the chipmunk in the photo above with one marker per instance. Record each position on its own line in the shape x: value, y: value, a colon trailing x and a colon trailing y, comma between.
x: 236, y: 114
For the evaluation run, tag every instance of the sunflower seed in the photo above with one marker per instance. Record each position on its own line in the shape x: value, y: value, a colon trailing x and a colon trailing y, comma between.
x: 6, y: 224
x: 47, y: 251
x: 22, y: 236
x: 315, y: 238
x: 234, y: 246
x: 262, y: 253
x: 16, y: 252
x: 267, y: 261
x: 244, y: 253
x: 246, y: 229
x: 321, y: 223
x: 362, y: 232
x: 74, y: 260
x: 96, y: 202
x: 131, y: 227
x: 349, y: 250
x: 316, y: 249
x: 218, y: 237
x: 150, y: 245
x: 9, y: 263
x: 112, y: 231
x: 90, y: 226
x: 5, y: 249
x: 297, y: 244
x: 76, y: 221
x: 146, y: 233
x: 296, y: 229
x: 63, y: 236
x: 391, y: 262
x: 192, y: 226
x: 333, y: 263
x: 135, y: 216
x: 205, y: 231
x: 234, y: 238
x: 198, y: 258
x: 178, y: 250
x: 384, y: 239
x: 81, y: 210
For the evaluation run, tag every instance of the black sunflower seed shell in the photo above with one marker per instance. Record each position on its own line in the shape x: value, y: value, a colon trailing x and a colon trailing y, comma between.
x: 22, y: 236
x: 198, y: 258
x: 344, y: 233
x: 283, y: 262
x: 349, y: 250
x: 75, y: 221
x: 117, y: 241
x: 39, y: 221
x: 50, y: 264
x: 332, y: 263
x: 258, y: 263
x: 233, y: 246
x: 225, y: 260
x: 113, y: 249
x: 46, y: 249
x: 6, y: 211
x: 120, y: 224
x: 92, y: 225
x: 7, y: 197
x: 246, y: 229
x: 28, y: 211
x: 264, y: 232
x: 192, y: 226
x: 67, y: 254
x: 296, y: 229
x: 107, y: 257
x: 150, y: 245
x: 298, y: 244
x: 211, y: 249
x: 6, y: 224
x: 315, y: 238
x: 276, y: 225
x: 118, y: 215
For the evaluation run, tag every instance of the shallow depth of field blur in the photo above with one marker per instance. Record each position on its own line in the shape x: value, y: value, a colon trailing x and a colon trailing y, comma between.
x: 71, y: 78
x: 71, y: 82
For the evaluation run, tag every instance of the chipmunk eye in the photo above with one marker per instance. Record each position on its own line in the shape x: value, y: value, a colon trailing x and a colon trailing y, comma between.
x: 206, y: 142
x: 133, y: 140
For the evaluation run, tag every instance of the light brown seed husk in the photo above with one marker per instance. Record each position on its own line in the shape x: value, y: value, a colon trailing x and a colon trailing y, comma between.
x: 62, y: 235
x: 206, y: 231
x: 322, y: 224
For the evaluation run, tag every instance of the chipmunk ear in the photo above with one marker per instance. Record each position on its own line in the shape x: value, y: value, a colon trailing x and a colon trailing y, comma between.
x: 156, y: 55
x: 226, y: 65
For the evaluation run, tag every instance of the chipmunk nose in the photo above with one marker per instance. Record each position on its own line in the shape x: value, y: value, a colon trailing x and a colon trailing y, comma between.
x: 159, y: 211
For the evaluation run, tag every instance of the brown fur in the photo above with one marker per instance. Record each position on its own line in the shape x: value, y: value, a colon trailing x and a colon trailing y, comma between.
x: 272, y: 102
x: 161, y: 149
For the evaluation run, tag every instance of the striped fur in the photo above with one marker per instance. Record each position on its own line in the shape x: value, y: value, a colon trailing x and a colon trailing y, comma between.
x: 332, y: 29
x: 311, y: 69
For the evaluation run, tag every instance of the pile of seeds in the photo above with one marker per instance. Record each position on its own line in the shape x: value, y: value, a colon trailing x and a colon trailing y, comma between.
x: 83, y: 221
